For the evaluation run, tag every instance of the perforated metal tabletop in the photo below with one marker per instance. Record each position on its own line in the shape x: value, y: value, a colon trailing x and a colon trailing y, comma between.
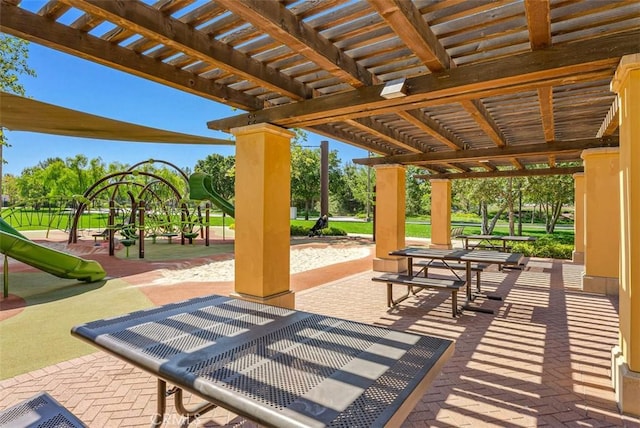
x: 276, y: 366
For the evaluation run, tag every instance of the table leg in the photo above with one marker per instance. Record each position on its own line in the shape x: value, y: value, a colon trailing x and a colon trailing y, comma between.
x: 410, y: 266
x: 191, y: 414
x: 467, y: 306
x: 161, y: 406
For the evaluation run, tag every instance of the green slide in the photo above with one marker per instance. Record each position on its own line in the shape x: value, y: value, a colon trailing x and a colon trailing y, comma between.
x: 63, y: 265
x: 200, y: 188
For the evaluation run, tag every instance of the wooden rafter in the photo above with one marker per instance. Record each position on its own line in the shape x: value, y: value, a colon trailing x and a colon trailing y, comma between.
x: 504, y: 173
x: 474, y: 155
x: 276, y: 20
x: 589, y: 58
x: 610, y: 123
x: 516, y: 163
x: 454, y: 166
x: 38, y: 29
x: 488, y: 166
x: 480, y: 114
x: 54, y: 10
x: 152, y: 24
x: 349, y: 138
x: 432, y: 128
x: 545, y: 97
x: 407, y: 22
x: 377, y: 129
x: 538, y: 14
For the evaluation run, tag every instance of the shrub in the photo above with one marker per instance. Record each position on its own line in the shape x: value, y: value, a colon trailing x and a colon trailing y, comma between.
x: 547, y: 246
x: 329, y: 231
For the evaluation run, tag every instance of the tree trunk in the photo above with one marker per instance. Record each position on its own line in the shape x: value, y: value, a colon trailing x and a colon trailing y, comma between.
x: 557, y: 210
x: 307, y: 206
x: 483, y: 216
x: 495, y: 218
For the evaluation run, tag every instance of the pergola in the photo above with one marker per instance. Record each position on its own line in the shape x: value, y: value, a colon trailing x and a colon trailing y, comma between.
x: 460, y: 88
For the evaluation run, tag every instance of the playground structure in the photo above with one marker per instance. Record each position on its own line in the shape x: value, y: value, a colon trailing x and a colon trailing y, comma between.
x: 136, y: 204
x: 145, y: 204
x: 17, y: 246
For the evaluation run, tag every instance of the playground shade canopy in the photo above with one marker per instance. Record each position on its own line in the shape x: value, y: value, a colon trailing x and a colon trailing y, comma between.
x: 24, y: 114
x: 63, y: 265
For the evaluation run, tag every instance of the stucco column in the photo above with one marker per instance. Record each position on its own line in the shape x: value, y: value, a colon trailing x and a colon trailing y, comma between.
x: 578, y: 218
x: 601, y: 221
x: 262, y: 201
x: 390, y: 217
x: 625, y: 369
x: 440, y: 213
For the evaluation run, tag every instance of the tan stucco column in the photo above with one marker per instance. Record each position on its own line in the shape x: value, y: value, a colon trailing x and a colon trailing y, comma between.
x: 578, y: 218
x: 262, y: 201
x: 625, y: 369
x: 390, y: 217
x: 601, y: 220
x: 440, y: 213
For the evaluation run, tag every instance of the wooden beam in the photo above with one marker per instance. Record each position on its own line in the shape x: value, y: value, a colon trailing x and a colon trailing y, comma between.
x: 377, y: 129
x: 152, y: 24
x: 455, y: 167
x: 408, y: 24
x: 552, y: 161
x: 538, y: 14
x: 480, y: 114
x: 29, y: 26
x: 475, y: 155
x: 594, y: 58
x: 610, y: 123
x: 504, y: 173
x: 488, y: 166
x: 274, y: 19
x: 351, y: 139
x: 516, y: 163
x: 429, y: 126
x: 545, y: 98
x: 53, y: 9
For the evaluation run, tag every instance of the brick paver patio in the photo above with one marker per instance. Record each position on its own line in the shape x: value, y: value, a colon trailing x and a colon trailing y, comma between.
x: 542, y: 360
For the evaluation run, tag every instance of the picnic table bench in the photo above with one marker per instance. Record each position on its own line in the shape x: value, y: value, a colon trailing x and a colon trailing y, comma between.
x: 478, y: 268
x: 418, y: 283
x: 41, y: 410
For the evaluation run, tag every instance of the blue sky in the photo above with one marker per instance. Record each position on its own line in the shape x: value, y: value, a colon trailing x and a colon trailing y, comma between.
x: 79, y: 84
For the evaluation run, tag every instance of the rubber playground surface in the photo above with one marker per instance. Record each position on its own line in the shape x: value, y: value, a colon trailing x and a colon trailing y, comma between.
x: 37, y: 316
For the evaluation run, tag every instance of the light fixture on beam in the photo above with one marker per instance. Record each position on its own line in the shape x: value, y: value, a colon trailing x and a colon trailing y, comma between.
x: 394, y: 89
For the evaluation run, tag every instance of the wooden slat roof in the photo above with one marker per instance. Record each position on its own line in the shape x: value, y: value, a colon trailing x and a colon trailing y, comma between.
x: 490, y: 85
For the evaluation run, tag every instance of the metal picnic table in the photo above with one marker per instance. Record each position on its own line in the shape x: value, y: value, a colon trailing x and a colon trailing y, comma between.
x: 487, y: 241
x: 461, y: 256
x: 275, y: 366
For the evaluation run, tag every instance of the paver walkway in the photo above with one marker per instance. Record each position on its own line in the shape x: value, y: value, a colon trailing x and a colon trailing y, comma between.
x: 542, y: 360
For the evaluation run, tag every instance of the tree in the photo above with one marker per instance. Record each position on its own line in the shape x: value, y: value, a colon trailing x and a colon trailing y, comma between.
x: 551, y: 193
x: 358, y: 188
x: 483, y: 193
x: 222, y: 171
x: 14, y: 53
x: 418, y: 192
